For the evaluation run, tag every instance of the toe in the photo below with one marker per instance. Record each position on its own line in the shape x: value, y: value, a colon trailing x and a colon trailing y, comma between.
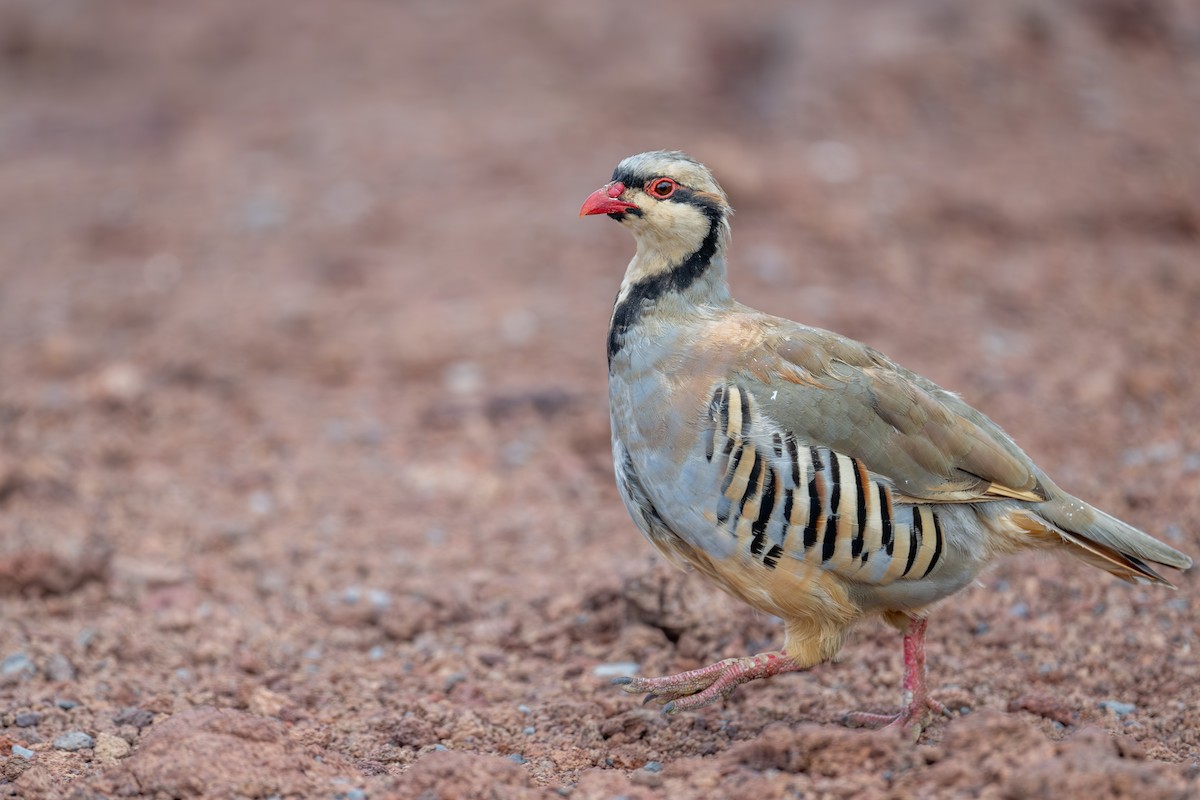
x: 867, y: 719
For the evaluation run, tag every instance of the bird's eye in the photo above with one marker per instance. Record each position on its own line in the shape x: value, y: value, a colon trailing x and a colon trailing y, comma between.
x: 662, y: 188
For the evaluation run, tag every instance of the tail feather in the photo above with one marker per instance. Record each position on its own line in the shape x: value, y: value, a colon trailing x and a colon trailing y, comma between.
x: 1102, y: 540
x: 1126, y: 567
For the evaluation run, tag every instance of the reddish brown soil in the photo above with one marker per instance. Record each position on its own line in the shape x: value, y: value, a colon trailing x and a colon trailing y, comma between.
x: 304, y: 465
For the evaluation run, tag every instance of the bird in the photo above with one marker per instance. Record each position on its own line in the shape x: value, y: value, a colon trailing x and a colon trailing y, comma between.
x: 801, y: 471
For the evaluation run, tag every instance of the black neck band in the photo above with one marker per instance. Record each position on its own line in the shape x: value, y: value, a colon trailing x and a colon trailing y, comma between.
x: 646, y: 292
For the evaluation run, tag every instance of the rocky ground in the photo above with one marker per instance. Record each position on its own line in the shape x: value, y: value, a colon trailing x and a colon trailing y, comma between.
x: 304, y: 466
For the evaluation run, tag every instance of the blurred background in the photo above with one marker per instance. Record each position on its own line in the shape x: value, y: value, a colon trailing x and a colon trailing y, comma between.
x: 302, y: 377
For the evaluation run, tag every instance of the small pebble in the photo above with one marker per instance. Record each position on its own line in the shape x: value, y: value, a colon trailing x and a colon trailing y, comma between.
x: 65, y: 703
x: 517, y: 758
x: 23, y: 752
x: 110, y: 748
x: 524, y: 709
x: 379, y: 599
x: 59, y: 668
x: 515, y: 454
x: 15, y: 665
x: 75, y: 740
x: 529, y: 730
x: 132, y: 715
x: 652, y: 766
x: 440, y: 747
x: 376, y: 653
x: 618, y: 669
x: 263, y: 211
x: 261, y: 503
x: 28, y: 719
x: 463, y: 378
x: 119, y: 384
x: 1117, y: 707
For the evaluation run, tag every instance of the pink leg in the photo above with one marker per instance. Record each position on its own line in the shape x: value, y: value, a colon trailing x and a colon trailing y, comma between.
x: 699, y: 687
x: 917, y: 704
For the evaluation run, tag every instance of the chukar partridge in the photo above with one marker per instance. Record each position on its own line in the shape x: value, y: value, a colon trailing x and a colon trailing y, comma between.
x: 803, y: 472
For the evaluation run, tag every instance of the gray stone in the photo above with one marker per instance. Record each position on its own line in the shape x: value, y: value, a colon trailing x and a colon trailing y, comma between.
x: 1117, y: 707
x: 132, y: 715
x: 74, y: 740
x: 59, y: 668
x: 16, y: 666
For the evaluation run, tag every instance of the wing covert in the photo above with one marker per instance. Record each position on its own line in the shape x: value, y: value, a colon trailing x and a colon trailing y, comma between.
x: 833, y: 392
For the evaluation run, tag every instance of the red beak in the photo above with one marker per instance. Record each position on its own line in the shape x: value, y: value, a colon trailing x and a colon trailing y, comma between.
x: 604, y: 201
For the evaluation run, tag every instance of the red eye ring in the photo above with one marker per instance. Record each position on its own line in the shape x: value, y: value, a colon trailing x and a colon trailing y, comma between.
x: 662, y: 188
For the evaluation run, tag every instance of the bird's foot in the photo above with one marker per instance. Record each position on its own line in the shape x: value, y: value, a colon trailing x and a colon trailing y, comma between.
x: 914, y: 718
x: 918, y: 708
x: 699, y: 687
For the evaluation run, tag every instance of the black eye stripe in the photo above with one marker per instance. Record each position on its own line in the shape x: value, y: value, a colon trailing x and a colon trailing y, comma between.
x: 637, y: 181
x: 682, y: 193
